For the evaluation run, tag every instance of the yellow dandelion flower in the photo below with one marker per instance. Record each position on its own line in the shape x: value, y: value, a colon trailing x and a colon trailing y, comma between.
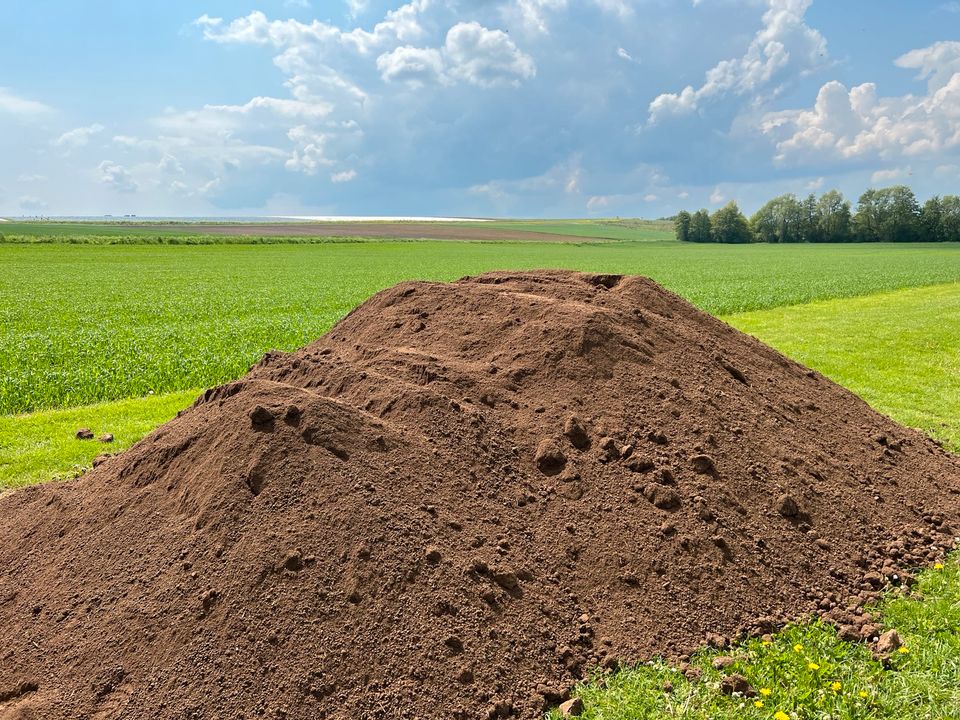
x: 780, y: 715
x: 765, y: 643
x: 938, y: 566
x: 903, y: 650
x: 765, y: 692
x: 863, y: 694
x: 758, y: 703
x: 835, y: 686
x: 813, y: 666
x: 798, y: 648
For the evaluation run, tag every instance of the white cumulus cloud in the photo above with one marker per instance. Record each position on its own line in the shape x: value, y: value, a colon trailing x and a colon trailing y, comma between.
x: 116, y: 177
x: 859, y: 124
x: 15, y: 105
x: 485, y: 57
x: 471, y: 53
x: 308, y: 156
x: 417, y: 66
x: 785, y: 45
x: 344, y: 176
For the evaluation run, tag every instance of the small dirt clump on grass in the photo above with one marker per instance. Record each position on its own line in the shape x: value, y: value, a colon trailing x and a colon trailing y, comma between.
x: 457, y: 503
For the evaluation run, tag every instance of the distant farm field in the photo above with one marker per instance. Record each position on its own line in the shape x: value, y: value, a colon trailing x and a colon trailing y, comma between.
x: 197, y: 233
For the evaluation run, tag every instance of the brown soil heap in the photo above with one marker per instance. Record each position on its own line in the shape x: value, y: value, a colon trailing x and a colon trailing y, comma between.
x: 460, y: 500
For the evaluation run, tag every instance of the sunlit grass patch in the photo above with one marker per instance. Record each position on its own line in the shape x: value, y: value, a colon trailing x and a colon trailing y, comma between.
x: 42, y: 445
x: 899, y: 351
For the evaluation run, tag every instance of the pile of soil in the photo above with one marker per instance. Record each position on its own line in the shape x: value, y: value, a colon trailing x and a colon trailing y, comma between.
x: 459, y: 501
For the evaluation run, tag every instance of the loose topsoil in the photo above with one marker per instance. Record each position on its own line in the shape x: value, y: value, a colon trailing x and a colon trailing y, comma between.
x: 459, y: 501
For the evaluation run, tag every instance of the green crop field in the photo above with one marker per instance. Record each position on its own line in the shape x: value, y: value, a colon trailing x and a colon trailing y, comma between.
x: 632, y: 230
x: 118, y: 338
x: 82, y: 324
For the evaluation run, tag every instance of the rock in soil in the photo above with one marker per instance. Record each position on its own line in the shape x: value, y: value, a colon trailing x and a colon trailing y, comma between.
x: 397, y: 547
x: 888, y: 643
x: 571, y: 708
x: 84, y: 434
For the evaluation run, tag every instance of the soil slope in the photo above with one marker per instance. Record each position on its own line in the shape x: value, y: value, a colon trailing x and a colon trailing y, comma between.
x: 455, y: 504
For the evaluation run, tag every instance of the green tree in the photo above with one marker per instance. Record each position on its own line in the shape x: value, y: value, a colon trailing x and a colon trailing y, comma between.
x: 834, y: 217
x: 903, y: 224
x: 778, y: 220
x: 870, y: 217
x: 809, y: 219
x: 931, y: 220
x: 950, y: 218
x: 700, y: 228
x: 729, y: 225
x: 888, y: 215
x: 682, y: 225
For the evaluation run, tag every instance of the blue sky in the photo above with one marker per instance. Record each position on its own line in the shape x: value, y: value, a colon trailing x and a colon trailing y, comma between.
x: 533, y: 108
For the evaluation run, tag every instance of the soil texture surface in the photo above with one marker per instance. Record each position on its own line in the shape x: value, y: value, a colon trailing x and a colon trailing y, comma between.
x: 458, y: 502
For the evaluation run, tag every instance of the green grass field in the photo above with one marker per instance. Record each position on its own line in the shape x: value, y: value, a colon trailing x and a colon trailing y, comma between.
x: 82, y: 324
x: 629, y: 230
x: 88, y: 330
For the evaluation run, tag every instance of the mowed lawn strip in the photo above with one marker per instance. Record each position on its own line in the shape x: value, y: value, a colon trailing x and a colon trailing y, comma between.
x: 899, y: 351
x: 83, y: 324
x: 42, y: 446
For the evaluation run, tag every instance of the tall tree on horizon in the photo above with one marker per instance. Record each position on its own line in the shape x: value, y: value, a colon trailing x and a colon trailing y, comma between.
x: 834, y: 217
x: 682, y: 226
x: 700, y: 227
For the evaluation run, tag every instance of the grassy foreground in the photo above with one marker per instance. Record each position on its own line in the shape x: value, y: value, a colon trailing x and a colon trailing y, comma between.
x: 41, y: 446
x: 82, y: 324
x: 807, y: 673
x: 88, y: 322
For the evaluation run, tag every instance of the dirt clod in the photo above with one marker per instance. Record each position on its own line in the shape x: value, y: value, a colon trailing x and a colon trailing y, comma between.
x: 576, y: 433
x: 401, y: 547
x: 722, y: 662
x: 737, y: 683
x: 261, y: 416
x: 787, y: 506
x: 662, y: 497
x: 84, y: 434
x: 703, y: 464
x: 571, y: 708
x: 888, y: 643
x: 106, y: 438
x: 549, y: 457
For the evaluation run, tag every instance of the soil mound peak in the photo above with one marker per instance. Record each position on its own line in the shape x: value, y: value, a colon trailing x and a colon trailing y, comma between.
x: 456, y: 503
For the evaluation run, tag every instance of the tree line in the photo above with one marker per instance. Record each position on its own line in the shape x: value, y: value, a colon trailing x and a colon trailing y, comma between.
x: 883, y: 215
